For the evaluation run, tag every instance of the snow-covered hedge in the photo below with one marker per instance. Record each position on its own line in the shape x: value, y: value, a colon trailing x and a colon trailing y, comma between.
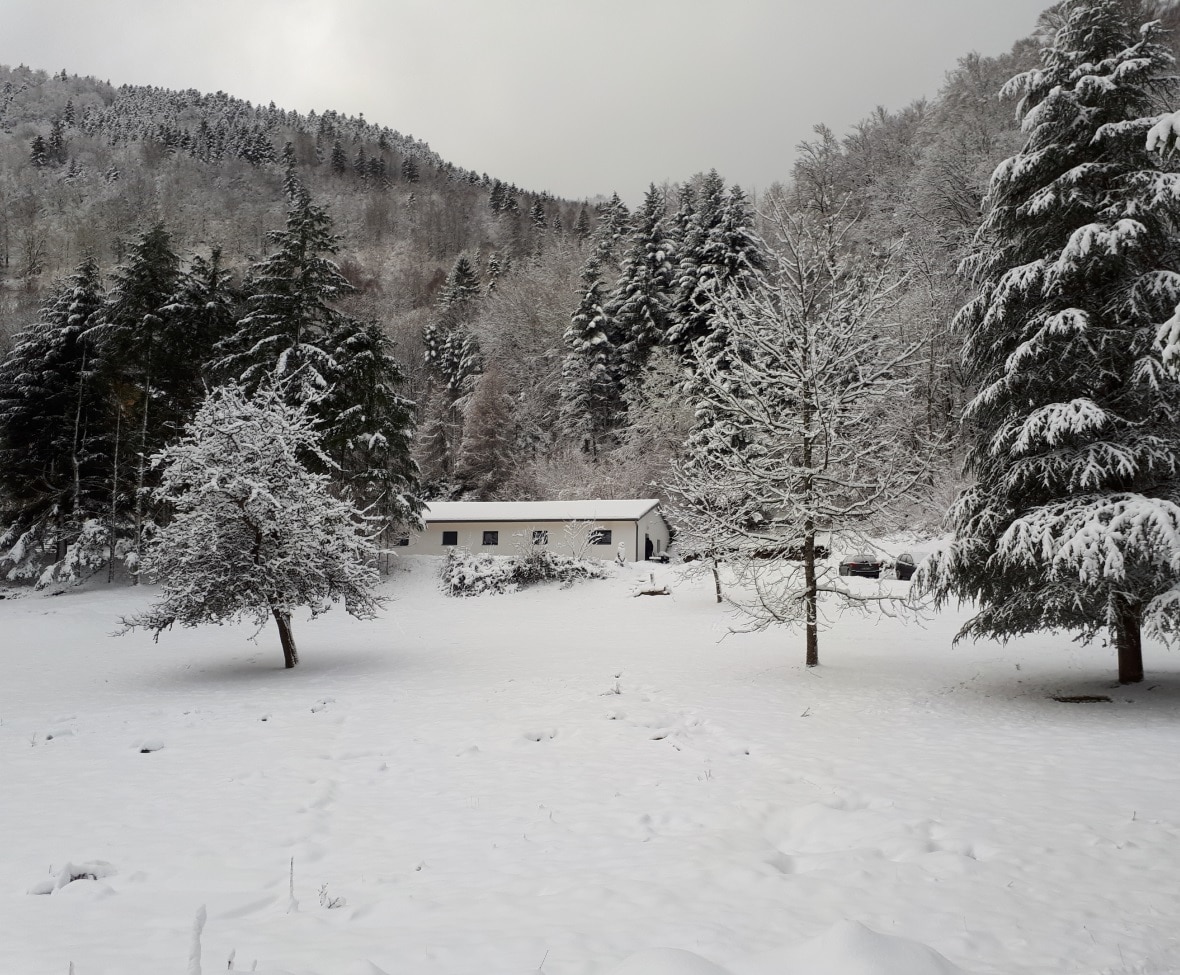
x: 465, y: 574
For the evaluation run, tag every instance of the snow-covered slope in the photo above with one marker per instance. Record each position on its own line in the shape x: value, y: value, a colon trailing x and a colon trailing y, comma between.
x: 577, y: 782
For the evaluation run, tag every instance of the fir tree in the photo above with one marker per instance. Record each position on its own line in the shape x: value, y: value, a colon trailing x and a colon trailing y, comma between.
x: 340, y: 368
x: 1074, y: 435
x: 291, y: 298
x: 718, y: 249
x: 582, y: 226
x: 641, y: 301
x: 53, y: 444
x: 338, y: 159
x: 461, y: 288
x: 144, y: 360
x: 369, y: 425
x: 208, y: 305
x: 591, y: 399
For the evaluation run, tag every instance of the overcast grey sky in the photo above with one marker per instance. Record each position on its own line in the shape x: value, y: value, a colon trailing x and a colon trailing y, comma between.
x: 578, y: 97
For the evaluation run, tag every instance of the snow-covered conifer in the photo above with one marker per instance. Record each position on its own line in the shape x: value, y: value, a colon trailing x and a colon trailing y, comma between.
x: 53, y: 433
x: 255, y: 533
x: 641, y: 300
x: 590, y: 394
x: 291, y: 308
x: 1074, y: 434
x: 461, y: 287
x: 718, y: 249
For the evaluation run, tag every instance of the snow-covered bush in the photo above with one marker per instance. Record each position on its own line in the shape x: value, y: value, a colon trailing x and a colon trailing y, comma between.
x: 465, y: 574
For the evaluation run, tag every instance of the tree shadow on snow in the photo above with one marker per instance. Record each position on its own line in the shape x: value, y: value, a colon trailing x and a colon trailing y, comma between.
x: 1077, y: 693
x: 265, y: 666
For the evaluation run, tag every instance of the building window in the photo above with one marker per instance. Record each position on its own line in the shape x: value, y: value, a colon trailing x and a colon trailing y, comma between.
x: 451, y: 538
x: 491, y: 538
x: 600, y: 536
x: 541, y: 537
x: 401, y: 541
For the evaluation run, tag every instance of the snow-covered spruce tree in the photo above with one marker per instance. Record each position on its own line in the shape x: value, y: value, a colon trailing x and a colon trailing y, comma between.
x: 461, y: 288
x: 370, y: 425
x: 718, y: 249
x: 1074, y: 434
x: 255, y: 533
x: 146, y: 360
x: 806, y: 441
x: 642, y: 297
x: 291, y: 297
x: 53, y: 436
x: 342, y: 369
x: 591, y: 400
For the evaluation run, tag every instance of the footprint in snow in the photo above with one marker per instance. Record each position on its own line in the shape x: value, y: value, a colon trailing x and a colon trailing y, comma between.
x: 541, y: 735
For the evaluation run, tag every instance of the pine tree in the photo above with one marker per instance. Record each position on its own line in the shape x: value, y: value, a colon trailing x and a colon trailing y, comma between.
x: 291, y: 297
x: 1074, y: 434
x: 53, y: 445
x: 342, y: 369
x: 255, y: 533
x: 591, y: 399
x: 208, y: 305
x: 338, y: 159
x: 143, y: 346
x: 582, y: 227
x: 460, y: 289
x: 641, y: 301
x: 369, y: 425
x: 718, y: 249
x: 610, y: 236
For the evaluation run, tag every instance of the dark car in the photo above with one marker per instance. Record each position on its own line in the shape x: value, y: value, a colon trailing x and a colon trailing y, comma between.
x: 868, y: 566
x: 905, y: 566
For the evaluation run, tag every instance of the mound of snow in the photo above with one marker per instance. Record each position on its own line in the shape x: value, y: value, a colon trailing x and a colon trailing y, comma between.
x: 83, y: 870
x: 849, y: 948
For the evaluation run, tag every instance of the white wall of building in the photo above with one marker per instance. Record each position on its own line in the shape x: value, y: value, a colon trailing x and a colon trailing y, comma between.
x: 562, y: 537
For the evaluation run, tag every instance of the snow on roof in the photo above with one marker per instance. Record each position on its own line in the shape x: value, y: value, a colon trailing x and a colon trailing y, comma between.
x: 618, y: 509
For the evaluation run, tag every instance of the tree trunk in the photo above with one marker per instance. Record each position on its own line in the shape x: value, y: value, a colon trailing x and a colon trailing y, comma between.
x: 717, y: 582
x: 1128, y: 638
x: 290, y: 654
x: 809, y: 599
x: 114, y: 492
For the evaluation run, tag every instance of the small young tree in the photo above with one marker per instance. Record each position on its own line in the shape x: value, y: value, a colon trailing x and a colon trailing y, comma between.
x: 255, y: 533
x: 804, y: 399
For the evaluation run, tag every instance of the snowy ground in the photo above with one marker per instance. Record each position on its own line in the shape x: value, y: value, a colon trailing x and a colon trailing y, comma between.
x: 577, y: 781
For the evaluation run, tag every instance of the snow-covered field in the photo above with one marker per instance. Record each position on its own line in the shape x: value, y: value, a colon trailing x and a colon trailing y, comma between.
x: 577, y: 781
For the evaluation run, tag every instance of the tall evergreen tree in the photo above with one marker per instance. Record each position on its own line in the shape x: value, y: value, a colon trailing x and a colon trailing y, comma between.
x: 291, y: 297
x: 641, y: 301
x: 461, y: 288
x: 591, y: 399
x: 53, y: 444
x: 1074, y: 435
x: 718, y: 249
x: 369, y: 424
x: 341, y: 369
x: 143, y: 344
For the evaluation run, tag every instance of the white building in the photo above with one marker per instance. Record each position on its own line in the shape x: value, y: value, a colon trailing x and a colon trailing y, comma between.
x: 590, y: 529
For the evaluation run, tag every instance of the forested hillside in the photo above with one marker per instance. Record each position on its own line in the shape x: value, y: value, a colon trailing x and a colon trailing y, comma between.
x: 541, y: 347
